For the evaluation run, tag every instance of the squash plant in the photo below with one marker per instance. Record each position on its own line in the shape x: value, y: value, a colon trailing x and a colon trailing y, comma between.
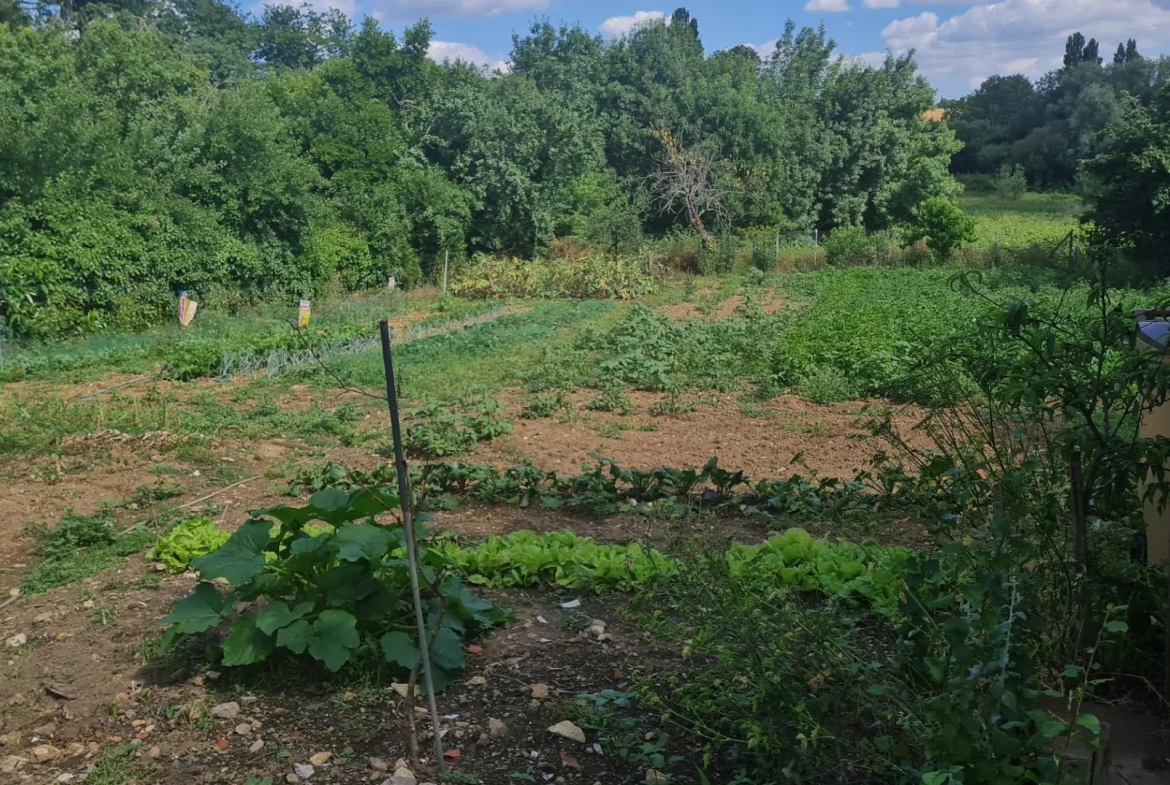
x: 336, y: 595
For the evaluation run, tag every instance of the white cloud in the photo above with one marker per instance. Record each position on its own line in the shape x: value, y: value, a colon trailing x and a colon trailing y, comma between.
x: 765, y: 49
x: 618, y: 26
x: 411, y: 9
x: 975, y: 81
x: 1024, y: 65
x: 872, y: 59
x: 827, y: 6
x: 1010, y: 32
x: 347, y: 7
x: 882, y: 3
x: 441, y: 51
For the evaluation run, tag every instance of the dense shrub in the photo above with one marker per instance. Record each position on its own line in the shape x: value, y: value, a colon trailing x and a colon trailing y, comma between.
x: 943, y: 226
x: 849, y: 245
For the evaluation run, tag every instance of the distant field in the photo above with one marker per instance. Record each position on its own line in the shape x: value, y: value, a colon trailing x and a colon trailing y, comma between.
x: 1033, y: 220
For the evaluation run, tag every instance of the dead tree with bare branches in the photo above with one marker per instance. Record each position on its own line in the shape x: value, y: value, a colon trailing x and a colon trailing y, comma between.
x: 687, y: 180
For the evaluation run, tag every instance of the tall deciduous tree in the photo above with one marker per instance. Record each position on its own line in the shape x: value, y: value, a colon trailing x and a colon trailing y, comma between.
x: 1130, y: 200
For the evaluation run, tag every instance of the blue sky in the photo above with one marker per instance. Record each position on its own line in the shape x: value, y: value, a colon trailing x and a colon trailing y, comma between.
x: 958, y: 42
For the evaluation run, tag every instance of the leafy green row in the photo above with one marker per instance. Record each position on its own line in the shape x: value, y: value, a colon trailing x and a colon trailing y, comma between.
x: 605, y: 489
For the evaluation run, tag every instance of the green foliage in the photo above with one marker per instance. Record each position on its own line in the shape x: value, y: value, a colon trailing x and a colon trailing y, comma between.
x: 943, y: 225
x: 839, y: 350
x: 826, y: 384
x: 611, y: 398
x: 608, y: 488
x: 851, y: 245
x: 81, y: 546
x: 603, y: 214
x: 1047, y: 130
x: 649, y: 350
x: 185, y: 542
x: 1010, y: 183
x: 561, y: 559
x: 188, y: 146
x: 1129, y: 179
x: 935, y: 657
x: 543, y: 406
x: 338, y: 595
x: 596, y: 276
x: 439, y: 430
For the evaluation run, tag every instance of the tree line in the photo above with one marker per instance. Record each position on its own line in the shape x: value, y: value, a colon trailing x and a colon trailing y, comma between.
x: 1043, y: 130
x: 149, y: 147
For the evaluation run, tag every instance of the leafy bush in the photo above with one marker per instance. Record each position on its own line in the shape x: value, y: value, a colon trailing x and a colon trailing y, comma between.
x: 943, y: 225
x: 440, y: 430
x: 611, y: 399
x: 1010, y: 183
x: 598, y: 276
x: 849, y: 245
x: 542, y: 406
x: 339, y: 595
x: 931, y: 657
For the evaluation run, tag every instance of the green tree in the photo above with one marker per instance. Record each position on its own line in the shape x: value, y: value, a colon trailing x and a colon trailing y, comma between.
x: 1130, y: 198
x: 942, y: 225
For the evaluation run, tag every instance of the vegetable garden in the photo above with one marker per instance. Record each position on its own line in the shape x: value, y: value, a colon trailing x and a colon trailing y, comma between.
x: 959, y: 609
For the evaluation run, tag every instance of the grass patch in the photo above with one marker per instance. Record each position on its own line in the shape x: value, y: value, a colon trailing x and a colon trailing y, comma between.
x: 81, y: 546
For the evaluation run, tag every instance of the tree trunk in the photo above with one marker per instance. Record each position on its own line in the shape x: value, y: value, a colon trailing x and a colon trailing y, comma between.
x: 697, y: 224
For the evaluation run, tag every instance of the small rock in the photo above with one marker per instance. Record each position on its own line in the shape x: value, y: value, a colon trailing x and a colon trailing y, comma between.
x: 88, y: 604
x: 154, y: 752
x: 226, y: 711
x: 10, y: 739
x: 74, y: 749
x: 17, y: 699
x: 243, y: 729
x: 402, y: 776
x: 43, y: 753
x: 12, y: 763
x: 292, y: 778
x: 540, y: 691
x: 477, y: 681
x: 17, y: 640
x: 213, y: 675
x: 256, y: 745
x: 568, y: 730
x: 321, y: 758
x: 533, y: 704
x: 400, y: 689
x: 303, y: 770
x: 43, y: 618
x: 482, y: 740
x: 655, y: 776
x: 66, y: 777
x: 378, y: 764
x: 496, y: 728
x: 248, y: 700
